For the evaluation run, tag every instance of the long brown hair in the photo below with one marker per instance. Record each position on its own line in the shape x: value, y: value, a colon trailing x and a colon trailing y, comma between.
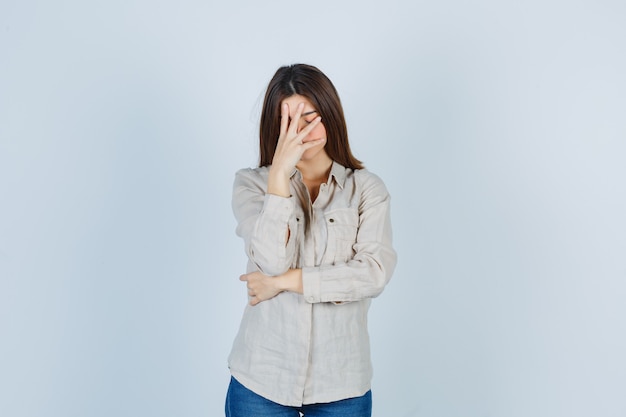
x: 309, y: 82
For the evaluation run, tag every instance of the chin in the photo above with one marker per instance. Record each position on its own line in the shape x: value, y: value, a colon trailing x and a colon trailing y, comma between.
x: 310, y: 154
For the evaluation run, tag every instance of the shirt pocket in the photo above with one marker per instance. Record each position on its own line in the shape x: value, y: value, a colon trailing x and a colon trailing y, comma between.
x: 342, y: 225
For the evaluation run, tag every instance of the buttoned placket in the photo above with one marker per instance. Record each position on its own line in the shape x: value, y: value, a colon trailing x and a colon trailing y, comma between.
x: 304, y: 215
x: 318, y: 225
x: 314, y: 233
x: 313, y: 236
x: 307, y: 257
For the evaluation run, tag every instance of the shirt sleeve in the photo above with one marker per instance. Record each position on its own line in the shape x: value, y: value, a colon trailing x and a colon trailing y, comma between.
x: 266, y: 222
x: 367, y: 273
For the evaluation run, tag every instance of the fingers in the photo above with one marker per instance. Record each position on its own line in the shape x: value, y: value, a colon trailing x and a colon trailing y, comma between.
x: 289, y: 128
x: 312, y: 144
x: 295, y: 122
x: 254, y: 300
x: 305, y: 132
x: 248, y: 285
x: 284, y: 119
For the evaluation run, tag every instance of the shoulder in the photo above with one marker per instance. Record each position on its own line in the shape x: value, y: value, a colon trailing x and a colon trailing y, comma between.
x: 369, y: 182
x: 251, y: 176
x: 252, y: 172
x: 370, y: 188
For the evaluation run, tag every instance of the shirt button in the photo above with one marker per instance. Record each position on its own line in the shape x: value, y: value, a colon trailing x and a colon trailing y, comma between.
x: 311, y: 299
x: 331, y: 220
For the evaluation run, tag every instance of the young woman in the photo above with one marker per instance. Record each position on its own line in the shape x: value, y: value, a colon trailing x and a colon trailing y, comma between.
x: 318, y: 239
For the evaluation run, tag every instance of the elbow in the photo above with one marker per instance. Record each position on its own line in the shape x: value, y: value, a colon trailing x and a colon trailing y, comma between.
x: 270, y: 266
x: 378, y: 283
x: 381, y: 270
x: 271, y: 259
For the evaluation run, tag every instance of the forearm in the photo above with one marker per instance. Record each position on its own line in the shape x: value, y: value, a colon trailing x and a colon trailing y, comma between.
x: 278, y: 182
x: 290, y: 281
x: 262, y: 287
x: 272, y: 249
x: 363, y: 277
x: 266, y: 222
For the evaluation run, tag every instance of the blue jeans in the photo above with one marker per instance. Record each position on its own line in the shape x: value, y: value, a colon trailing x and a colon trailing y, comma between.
x: 240, y: 402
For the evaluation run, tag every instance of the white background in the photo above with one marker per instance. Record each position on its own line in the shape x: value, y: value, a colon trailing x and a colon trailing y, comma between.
x: 498, y: 127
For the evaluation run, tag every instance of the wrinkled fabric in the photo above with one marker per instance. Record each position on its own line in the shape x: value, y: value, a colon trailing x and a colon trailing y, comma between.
x: 314, y: 347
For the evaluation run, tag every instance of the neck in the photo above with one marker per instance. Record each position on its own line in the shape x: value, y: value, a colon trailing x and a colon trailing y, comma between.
x: 315, y: 170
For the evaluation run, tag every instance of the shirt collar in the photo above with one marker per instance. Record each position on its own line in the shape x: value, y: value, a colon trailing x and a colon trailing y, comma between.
x: 337, y: 172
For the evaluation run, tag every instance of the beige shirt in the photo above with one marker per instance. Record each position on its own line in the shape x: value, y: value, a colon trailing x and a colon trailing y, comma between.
x: 313, y: 348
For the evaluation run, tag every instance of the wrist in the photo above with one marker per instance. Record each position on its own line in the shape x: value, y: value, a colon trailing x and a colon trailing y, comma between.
x: 278, y: 182
x: 291, y: 281
x: 280, y: 173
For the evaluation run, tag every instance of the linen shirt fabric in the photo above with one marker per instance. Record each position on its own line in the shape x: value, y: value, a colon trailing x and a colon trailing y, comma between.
x: 309, y: 348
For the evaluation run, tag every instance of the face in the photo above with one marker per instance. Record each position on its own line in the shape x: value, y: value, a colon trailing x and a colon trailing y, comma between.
x: 309, y: 113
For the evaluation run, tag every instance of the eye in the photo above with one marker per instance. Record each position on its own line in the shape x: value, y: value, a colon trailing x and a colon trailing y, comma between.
x: 311, y: 116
